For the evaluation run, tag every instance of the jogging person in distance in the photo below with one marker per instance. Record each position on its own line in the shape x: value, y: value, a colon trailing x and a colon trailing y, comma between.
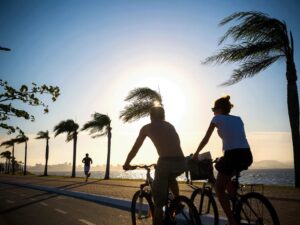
x: 237, y: 154
x: 87, y: 166
x: 171, y: 162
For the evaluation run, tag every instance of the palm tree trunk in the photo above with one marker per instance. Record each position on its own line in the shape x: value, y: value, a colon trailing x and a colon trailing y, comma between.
x: 13, y: 160
x: 25, y: 160
x: 108, y: 153
x: 47, y: 156
x: 74, y: 155
x: 7, y: 166
x: 293, y: 110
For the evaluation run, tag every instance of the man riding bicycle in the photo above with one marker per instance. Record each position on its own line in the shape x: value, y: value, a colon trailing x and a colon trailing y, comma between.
x: 171, y: 162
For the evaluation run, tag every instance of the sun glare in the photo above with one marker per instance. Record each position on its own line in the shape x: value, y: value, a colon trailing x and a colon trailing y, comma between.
x: 168, y: 83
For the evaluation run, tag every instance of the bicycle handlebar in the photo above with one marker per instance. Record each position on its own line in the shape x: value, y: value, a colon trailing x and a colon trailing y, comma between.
x: 133, y: 167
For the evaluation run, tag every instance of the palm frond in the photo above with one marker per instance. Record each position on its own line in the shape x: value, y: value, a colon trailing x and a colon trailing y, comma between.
x: 135, y: 111
x: 21, y: 138
x: 254, y: 27
x: 100, y: 135
x: 243, y: 52
x: 250, y: 68
x: 259, y: 41
x: 140, y: 102
x: 5, y: 154
x: 8, y: 143
x: 143, y: 94
x: 42, y: 135
x: 67, y: 126
x: 97, y: 124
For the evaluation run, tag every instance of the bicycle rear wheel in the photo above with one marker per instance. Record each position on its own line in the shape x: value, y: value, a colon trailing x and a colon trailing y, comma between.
x: 142, y: 209
x: 206, y: 205
x: 182, y: 212
x: 254, y: 208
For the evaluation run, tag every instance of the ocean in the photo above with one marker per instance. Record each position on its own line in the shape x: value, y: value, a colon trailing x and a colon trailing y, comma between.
x: 282, y: 177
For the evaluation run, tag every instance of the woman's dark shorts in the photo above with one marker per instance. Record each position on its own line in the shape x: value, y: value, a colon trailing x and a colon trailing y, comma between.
x: 234, y: 160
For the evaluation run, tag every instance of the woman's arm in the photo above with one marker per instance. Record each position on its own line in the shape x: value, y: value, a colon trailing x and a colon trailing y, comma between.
x: 205, y: 140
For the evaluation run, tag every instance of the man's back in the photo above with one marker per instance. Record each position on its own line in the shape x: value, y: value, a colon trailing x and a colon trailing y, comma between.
x: 87, y: 161
x: 164, y: 137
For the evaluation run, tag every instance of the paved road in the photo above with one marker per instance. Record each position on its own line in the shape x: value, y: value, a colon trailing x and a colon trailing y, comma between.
x: 116, y: 194
x: 32, y: 207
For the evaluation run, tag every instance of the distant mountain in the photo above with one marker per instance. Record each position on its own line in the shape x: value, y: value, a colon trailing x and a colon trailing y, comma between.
x: 271, y: 164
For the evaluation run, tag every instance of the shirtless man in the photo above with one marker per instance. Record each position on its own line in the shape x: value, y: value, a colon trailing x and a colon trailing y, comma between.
x: 87, y: 165
x: 171, y: 162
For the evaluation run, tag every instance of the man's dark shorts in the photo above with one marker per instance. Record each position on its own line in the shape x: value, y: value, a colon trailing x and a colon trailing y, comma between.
x: 234, y: 160
x: 166, y: 171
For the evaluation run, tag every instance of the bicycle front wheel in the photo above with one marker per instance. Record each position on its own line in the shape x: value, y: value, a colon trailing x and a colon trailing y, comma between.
x: 254, y: 208
x: 142, y: 209
x: 206, y: 205
x: 182, y: 212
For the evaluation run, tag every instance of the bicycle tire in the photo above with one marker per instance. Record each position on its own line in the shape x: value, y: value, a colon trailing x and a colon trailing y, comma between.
x: 142, y: 209
x: 254, y: 208
x: 208, y: 205
x: 182, y: 212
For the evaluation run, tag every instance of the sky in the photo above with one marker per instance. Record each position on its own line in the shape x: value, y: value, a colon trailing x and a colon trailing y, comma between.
x: 98, y: 51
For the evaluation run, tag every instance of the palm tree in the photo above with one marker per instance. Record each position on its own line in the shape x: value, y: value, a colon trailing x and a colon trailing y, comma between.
x: 8, y: 144
x: 101, y: 123
x: 262, y: 40
x: 141, y: 100
x: 7, y: 156
x: 45, y: 135
x: 22, y: 138
x: 69, y: 127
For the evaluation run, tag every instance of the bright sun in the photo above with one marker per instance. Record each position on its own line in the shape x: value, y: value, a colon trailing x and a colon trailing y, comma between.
x: 168, y: 83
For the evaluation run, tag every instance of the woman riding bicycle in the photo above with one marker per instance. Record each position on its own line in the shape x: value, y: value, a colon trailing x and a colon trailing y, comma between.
x: 237, y: 154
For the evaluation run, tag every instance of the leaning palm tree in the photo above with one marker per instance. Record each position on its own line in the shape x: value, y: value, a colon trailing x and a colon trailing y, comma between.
x: 22, y: 138
x: 69, y: 127
x: 7, y: 156
x: 45, y: 135
x: 260, y: 41
x: 141, y: 100
x: 11, y: 144
x: 100, y: 123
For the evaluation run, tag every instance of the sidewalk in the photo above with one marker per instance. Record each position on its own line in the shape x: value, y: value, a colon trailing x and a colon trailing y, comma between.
x: 118, y: 193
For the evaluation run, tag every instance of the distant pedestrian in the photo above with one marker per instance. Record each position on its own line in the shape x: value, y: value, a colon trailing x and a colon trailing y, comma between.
x: 87, y: 166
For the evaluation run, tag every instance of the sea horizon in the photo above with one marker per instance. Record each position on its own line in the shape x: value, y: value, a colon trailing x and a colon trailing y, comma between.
x: 280, y: 177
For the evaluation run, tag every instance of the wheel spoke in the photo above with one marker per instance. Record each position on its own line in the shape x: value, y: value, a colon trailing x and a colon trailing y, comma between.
x: 256, y: 209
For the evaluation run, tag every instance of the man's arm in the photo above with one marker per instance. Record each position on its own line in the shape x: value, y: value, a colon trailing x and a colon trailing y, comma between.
x: 135, y: 148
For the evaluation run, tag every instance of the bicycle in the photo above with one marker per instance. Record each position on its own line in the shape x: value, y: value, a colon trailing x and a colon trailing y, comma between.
x: 177, y: 211
x: 249, y: 208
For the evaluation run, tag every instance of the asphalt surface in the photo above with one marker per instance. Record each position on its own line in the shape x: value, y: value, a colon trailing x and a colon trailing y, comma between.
x: 33, y: 207
x: 110, y: 198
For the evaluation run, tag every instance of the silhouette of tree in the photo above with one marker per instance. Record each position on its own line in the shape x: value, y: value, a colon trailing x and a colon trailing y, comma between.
x: 11, y: 144
x: 100, y: 123
x: 140, y: 102
x: 45, y: 135
x: 260, y: 41
x: 25, y: 95
x: 7, y: 156
x: 69, y: 127
x: 22, y: 138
